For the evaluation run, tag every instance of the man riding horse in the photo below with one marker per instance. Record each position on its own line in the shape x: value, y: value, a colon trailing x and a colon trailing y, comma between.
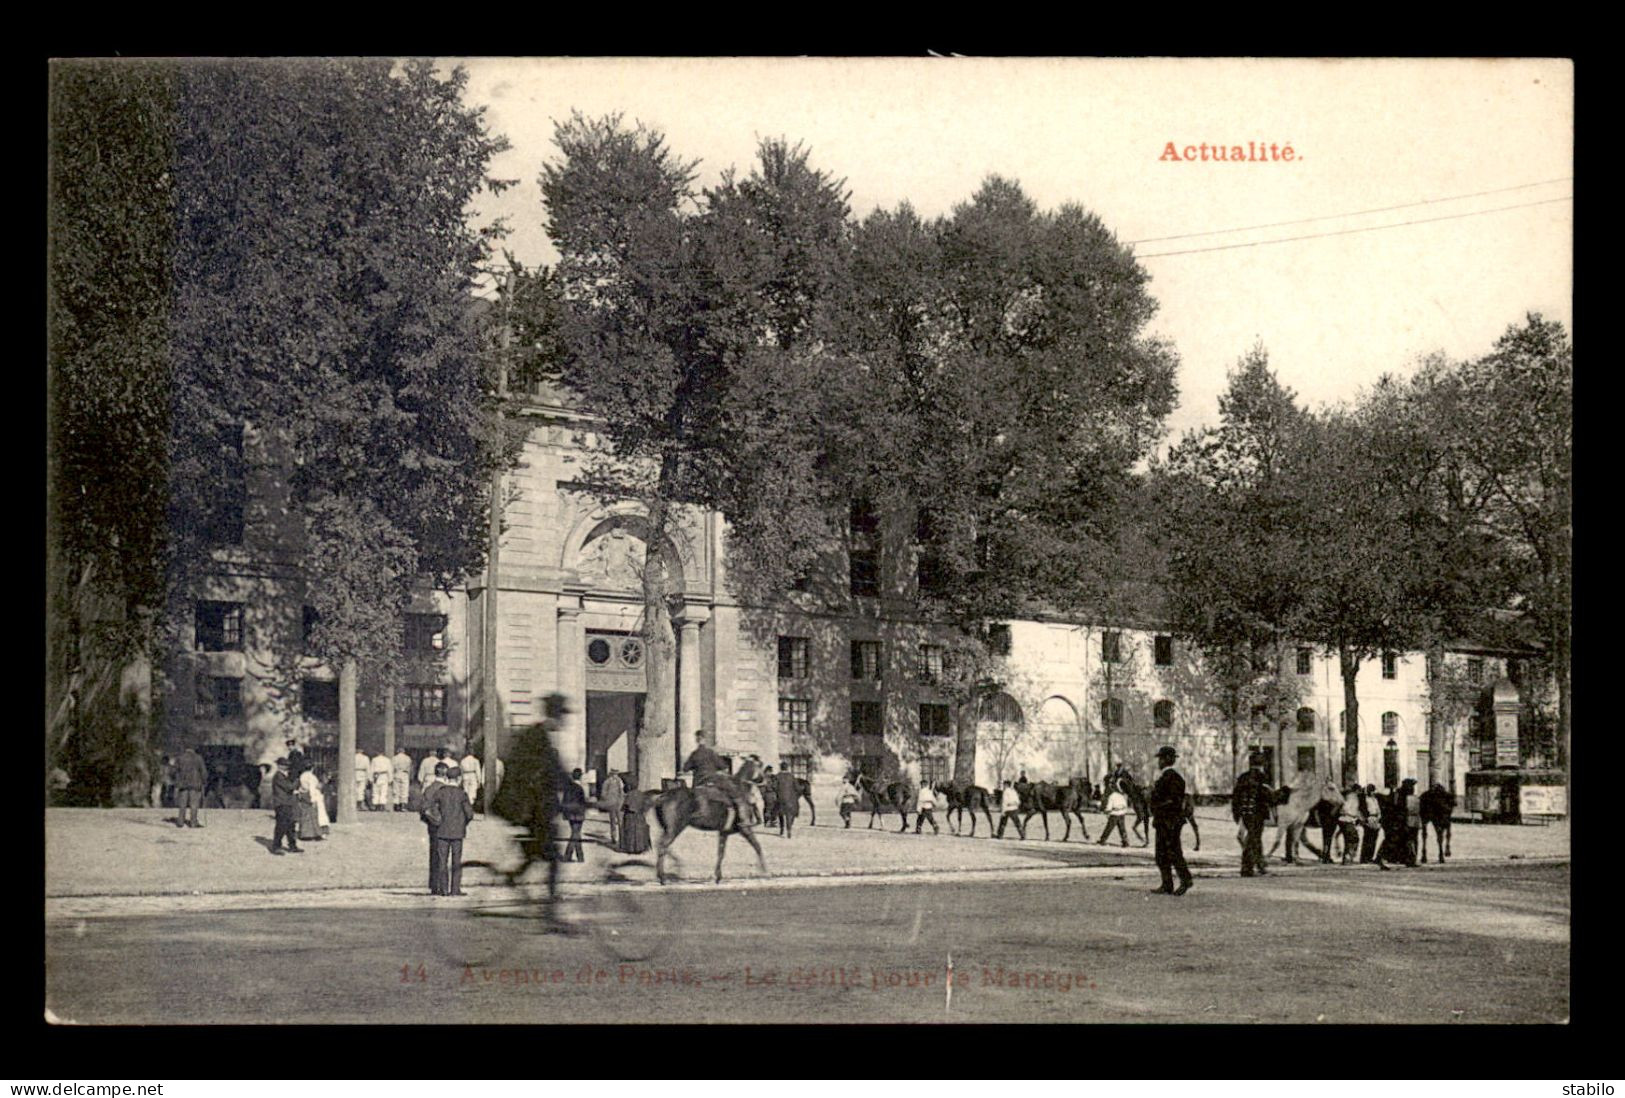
x: 712, y: 782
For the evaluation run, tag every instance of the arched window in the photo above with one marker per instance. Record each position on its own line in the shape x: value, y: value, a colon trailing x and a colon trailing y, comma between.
x: 1306, y: 719
x: 1111, y: 712
x: 1390, y: 724
x: 1162, y: 714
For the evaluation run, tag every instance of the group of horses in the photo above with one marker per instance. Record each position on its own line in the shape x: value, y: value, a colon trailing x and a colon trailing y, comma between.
x: 1312, y: 805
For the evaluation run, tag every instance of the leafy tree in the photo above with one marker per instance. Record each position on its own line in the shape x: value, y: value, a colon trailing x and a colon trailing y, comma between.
x: 319, y: 270
x: 1516, y: 441
x: 1235, y: 524
x: 693, y: 325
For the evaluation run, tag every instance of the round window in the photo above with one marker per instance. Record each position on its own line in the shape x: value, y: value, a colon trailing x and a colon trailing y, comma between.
x: 598, y: 650
x: 632, y: 651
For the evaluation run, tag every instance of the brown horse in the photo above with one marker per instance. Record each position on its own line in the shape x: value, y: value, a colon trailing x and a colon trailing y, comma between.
x: 1044, y: 797
x: 966, y: 798
x: 1436, y: 807
x: 885, y: 796
x: 680, y: 808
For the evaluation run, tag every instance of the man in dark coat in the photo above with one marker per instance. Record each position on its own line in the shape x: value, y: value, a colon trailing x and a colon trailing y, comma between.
x: 573, y: 803
x: 285, y: 801
x: 712, y: 782
x: 1167, y: 804
x: 191, y: 778
x: 1250, y: 805
x: 431, y: 814
x: 447, y: 842
x: 296, y: 760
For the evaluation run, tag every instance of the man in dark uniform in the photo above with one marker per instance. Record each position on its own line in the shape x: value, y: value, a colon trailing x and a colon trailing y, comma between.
x: 1250, y: 805
x: 712, y: 782
x: 191, y: 778
x: 284, y: 799
x: 1167, y: 803
x: 296, y: 760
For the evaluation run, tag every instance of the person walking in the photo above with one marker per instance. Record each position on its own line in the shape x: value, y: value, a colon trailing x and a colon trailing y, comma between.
x: 1348, y: 823
x: 612, y: 799
x: 400, y: 791
x: 285, y: 802
x: 925, y: 807
x: 1167, y: 804
x: 1010, y: 809
x: 381, y: 773
x: 363, y: 775
x: 573, y: 800
x: 472, y: 777
x: 455, y: 815
x: 849, y: 799
x: 312, y: 806
x: 191, y: 778
x: 1250, y: 806
x: 1370, y: 824
x: 430, y: 813
x: 1116, y: 814
x: 1413, y: 820
x: 750, y: 777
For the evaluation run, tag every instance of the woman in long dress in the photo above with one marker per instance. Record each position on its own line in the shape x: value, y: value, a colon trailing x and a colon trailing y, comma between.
x: 312, y: 807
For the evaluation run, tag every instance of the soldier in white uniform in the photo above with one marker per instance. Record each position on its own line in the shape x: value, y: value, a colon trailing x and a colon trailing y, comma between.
x: 426, y: 768
x: 470, y: 766
x: 403, y: 780
x: 363, y: 775
x: 383, y: 776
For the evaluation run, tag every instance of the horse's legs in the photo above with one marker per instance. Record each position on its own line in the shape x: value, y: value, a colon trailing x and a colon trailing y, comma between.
x: 904, y: 817
x: 1083, y: 828
x: 1066, y: 818
x: 750, y: 837
x: 722, y: 844
x: 1424, y: 830
x: 986, y: 811
x: 668, y: 835
x: 812, y: 809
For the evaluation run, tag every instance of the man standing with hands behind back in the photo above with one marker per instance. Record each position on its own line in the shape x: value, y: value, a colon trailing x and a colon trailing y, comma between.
x: 1168, y: 815
x: 1250, y: 805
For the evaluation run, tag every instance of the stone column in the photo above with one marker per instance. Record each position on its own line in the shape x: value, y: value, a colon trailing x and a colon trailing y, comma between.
x: 689, y: 669
x: 571, y: 736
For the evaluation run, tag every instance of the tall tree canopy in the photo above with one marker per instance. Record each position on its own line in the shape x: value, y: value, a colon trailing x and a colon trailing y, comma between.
x: 302, y: 259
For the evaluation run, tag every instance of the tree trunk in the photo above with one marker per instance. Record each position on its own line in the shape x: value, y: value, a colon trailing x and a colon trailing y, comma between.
x: 344, y: 778
x: 389, y: 720
x: 1439, y: 731
x: 657, y: 745
x: 132, y: 784
x: 965, y: 744
x: 1349, y: 665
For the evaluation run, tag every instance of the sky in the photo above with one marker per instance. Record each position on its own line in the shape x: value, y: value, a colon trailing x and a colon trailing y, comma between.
x: 1334, y: 311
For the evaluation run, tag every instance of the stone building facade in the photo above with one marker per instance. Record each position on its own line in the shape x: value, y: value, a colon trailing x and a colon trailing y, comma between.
x: 842, y: 678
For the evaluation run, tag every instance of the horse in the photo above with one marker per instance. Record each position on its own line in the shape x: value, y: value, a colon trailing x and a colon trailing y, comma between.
x: 681, y: 808
x: 1068, y: 799
x: 884, y: 796
x: 1297, y: 809
x: 1142, y: 812
x: 786, y: 792
x: 1437, y: 806
x: 963, y: 798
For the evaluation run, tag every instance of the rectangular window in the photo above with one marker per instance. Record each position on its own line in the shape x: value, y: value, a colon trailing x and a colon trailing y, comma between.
x: 425, y: 632
x: 219, y: 626
x: 1165, y: 651
x: 866, y: 659
x: 319, y: 700
x: 931, y: 574
x: 930, y: 663
x: 422, y: 703
x: 865, y: 574
x: 1475, y: 669
x: 1111, y: 712
x: 934, y: 770
x: 1162, y: 714
x: 1306, y: 657
x: 797, y: 766
x: 1390, y: 666
x: 1306, y: 759
x: 867, y: 718
x: 1111, y: 646
x: 225, y: 520
x: 219, y: 697
x: 863, y: 517
x: 933, y: 719
x: 793, y: 716
x: 308, y: 624
x: 998, y: 639
x: 793, y: 657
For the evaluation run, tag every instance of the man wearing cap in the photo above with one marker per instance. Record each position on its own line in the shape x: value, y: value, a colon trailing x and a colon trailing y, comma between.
x: 431, y: 814
x: 1250, y: 805
x: 713, y: 783
x: 1167, y: 803
x: 1348, y: 822
x: 285, y: 800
